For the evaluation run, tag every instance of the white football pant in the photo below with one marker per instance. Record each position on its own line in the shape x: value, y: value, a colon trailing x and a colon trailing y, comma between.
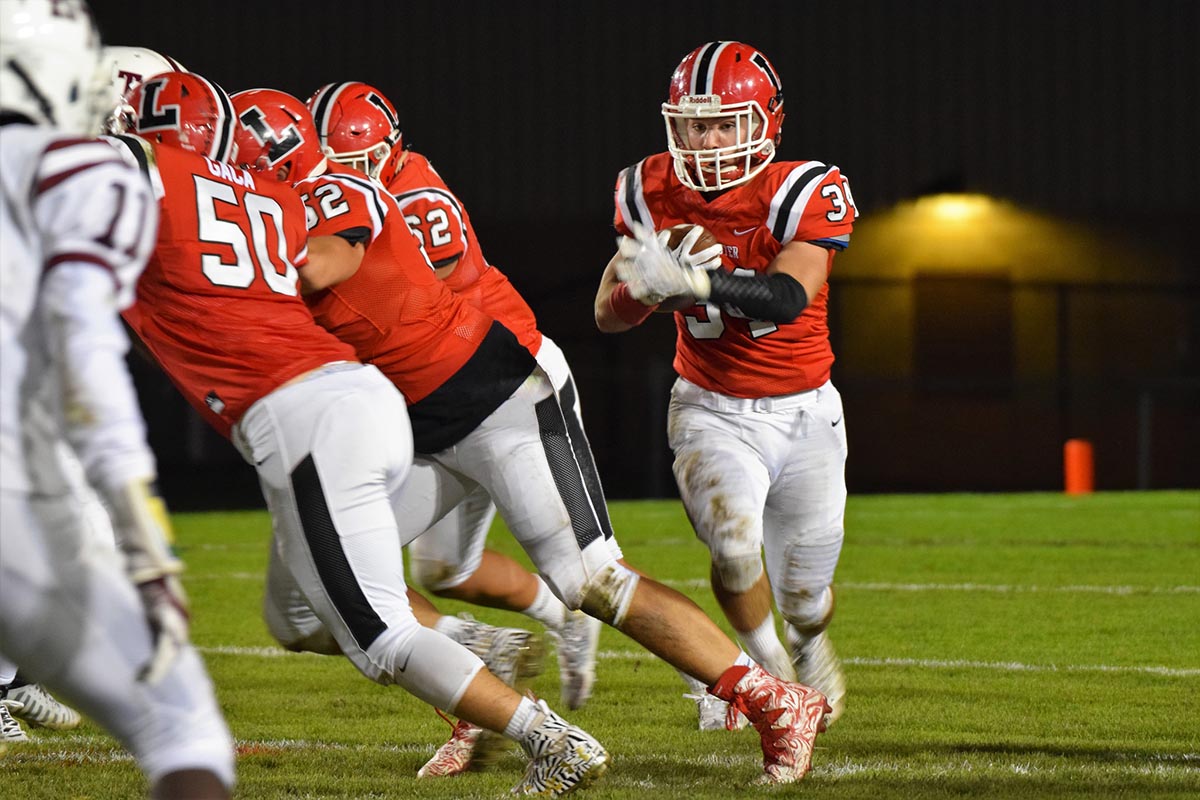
x: 330, y: 450
x: 73, y: 622
x: 450, y: 551
x: 765, y: 476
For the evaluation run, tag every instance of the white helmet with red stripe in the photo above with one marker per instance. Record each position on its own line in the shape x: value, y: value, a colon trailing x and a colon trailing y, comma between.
x: 130, y: 66
x: 724, y: 80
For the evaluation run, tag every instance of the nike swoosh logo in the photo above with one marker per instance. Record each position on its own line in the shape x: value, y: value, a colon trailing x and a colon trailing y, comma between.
x: 835, y: 422
x: 404, y: 666
x: 260, y: 463
x: 744, y: 232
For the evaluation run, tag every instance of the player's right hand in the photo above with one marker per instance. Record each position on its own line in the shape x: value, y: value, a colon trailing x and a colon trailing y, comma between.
x: 651, y: 270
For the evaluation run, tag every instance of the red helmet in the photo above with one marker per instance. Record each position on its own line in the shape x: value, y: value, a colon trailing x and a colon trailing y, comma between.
x: 182, y: 109
x: 359, y: 127
x: 724, y: 79
x: 275, y: 134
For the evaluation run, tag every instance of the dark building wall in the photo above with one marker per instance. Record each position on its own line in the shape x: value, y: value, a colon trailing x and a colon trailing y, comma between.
x: 528, y: 109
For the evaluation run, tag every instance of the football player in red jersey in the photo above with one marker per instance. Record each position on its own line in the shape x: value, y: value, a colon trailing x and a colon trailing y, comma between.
x: 219, y: 308
x: 484, y: 413
x: 359, y: 127
x: 754, y: 421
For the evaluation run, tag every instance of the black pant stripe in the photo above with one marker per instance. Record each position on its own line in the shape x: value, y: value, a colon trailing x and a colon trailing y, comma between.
x: 583, y: 455
x: 566, y: 471
x: 332, y: 565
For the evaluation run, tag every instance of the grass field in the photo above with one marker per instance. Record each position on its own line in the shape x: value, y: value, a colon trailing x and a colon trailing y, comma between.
x: 999, y: 646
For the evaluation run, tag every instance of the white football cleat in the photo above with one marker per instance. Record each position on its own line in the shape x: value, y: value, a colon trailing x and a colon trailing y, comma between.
x: 717, y: 715
x: 818, y: 666
x: 10, y: 729
x: 562, y: 757
x: 514, y: 655
x: 577, y: 641
x: 38, y: 707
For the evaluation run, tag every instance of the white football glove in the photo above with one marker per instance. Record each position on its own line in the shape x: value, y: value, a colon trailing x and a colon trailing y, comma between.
x: 651, y: 270
x: 706, y: 259
x: 143, y: 530
x: 165, y: 606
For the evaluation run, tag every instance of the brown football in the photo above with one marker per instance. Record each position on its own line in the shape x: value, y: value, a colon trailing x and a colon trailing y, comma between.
x: 679, y: 231
x: 706, y: 240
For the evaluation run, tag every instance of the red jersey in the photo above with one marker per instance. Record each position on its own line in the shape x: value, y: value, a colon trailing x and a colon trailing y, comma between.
x: 437, y: 217
x: 454, y: 364
x: 718, y: 348
x: 219, y: 304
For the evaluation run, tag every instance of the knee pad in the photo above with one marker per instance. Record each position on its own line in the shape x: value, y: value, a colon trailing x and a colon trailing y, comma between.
x: 299, y: 630
x: 434, y: 574
x: 608, y: 594
x: 737, y: 572
x: 319, y: 641
x: 808, y: 612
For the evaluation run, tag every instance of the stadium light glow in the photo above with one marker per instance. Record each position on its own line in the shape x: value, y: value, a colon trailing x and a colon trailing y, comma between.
x: 954, y: 208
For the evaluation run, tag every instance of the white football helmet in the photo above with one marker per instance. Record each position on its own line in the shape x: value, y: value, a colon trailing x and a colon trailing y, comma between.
x: 49, y: 64
x: 130, y: 67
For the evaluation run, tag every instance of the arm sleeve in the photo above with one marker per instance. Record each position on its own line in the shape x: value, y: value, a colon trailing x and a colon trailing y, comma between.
x: 87, y: 345
x: 100, y: 223
x: 776, y: 298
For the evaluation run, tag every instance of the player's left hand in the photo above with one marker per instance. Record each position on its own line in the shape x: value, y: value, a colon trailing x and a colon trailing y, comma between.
x: 705, y: 259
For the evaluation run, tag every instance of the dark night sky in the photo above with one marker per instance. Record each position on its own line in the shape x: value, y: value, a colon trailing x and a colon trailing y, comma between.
x: 529, y: 108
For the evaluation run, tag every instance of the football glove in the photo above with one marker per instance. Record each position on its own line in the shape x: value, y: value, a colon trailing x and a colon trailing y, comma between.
x: 707, y: 259
x: 651, y: 270
x: 143, y: 530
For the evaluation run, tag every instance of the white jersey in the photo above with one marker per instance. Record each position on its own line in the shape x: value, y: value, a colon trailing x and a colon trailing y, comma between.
x: 77, y: 223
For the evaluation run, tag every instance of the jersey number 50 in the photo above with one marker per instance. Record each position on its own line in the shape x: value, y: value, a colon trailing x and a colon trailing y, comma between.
x: 277, y: 270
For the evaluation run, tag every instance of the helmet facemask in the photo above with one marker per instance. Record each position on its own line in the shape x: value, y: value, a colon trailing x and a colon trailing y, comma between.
x: 369, y: 160
x: 715, y: 169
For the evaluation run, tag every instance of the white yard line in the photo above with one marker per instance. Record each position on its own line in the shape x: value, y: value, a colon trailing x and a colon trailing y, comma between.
x: 1008, y: 589
x: 1014, y: 666
x: 692, y: 584
x: 79, y: 748
x: 880, y: 586
x: 920, y: 663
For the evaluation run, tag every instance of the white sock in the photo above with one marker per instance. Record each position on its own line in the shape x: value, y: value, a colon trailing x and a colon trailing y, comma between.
x: 764, y: 646
x: 8, y: 672
x: 524, y: 719
x: 547, y: 609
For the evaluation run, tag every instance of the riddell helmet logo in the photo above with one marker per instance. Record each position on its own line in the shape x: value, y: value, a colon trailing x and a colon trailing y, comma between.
x: 700, y: 102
